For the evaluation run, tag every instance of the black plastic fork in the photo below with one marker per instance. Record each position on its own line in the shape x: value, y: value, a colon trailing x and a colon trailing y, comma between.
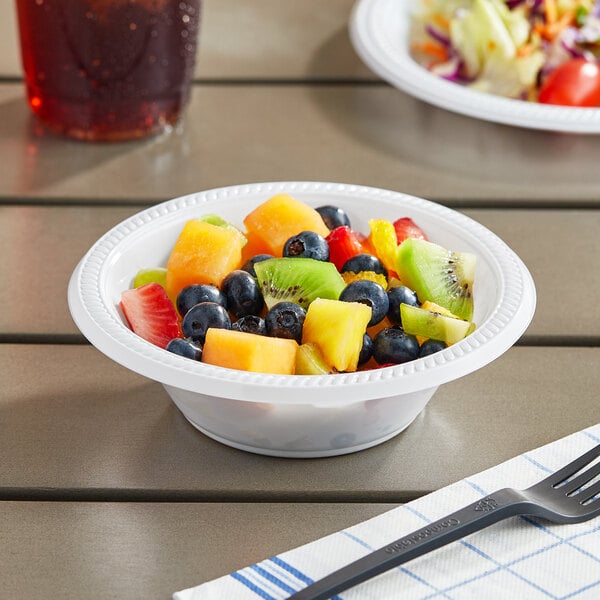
x: 567, y: 496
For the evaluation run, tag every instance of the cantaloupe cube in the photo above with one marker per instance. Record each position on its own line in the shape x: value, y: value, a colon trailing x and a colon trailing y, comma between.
x: 249, y: 352
x: 338, y: 329
x: 203, y: 253
x: 281, y: 217
x: 254, y: 246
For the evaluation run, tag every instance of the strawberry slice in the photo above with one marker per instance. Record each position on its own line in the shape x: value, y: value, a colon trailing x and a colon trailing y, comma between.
x: 343, y: 245
x: 407, y: 228
x: 150, y: 313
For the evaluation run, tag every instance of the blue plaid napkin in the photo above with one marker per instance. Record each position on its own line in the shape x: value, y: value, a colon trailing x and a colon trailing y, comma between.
x: 519, y: 558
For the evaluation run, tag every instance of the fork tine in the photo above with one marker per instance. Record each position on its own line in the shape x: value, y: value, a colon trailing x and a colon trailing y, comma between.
x: 572, y: 468
x: 581, y: 479
x: 588, y: 493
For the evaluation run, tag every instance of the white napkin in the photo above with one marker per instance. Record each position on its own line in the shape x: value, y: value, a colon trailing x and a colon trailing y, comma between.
x: 519, y: 558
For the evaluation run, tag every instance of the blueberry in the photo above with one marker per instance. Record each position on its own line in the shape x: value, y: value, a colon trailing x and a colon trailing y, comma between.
x: 369, y: 293
x: 397, y: 296
x: 186, y: 348
x: 196, y: 293
x: 364, y: 262
x: 307, y: 244
x: 243, y: 294
x: 251, y: 324
x: 202, y: 316
x: 393, y: 345
x: 431, y: 347
x: 333, y: 216
x: 367, y: 349
x: 249, y: 264
x: 285, y: 320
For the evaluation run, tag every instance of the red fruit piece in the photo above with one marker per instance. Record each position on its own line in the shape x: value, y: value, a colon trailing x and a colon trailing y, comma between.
x: 407, y: 228
x: 343, y: 244
x: 150, y: 314
x: 575, y: 82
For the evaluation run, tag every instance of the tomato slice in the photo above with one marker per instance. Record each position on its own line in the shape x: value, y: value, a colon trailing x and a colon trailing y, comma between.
x: 574, y: 83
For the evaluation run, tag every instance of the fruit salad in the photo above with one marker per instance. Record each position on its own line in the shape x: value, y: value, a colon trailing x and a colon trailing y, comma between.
x: 299, y: 291
x: 545, y: 51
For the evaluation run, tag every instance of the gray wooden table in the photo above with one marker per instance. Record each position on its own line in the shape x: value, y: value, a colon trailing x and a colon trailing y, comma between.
x: 105, y: 490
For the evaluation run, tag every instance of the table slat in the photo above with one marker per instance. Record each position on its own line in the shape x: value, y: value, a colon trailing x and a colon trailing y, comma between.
x: 370, y: 135
x: 75, y: 425
x: 41, y: 245
x: 95, y: 551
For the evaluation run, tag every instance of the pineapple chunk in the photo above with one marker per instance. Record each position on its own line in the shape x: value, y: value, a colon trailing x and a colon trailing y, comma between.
x: 337, y: 328
x: 309, y: 361
x: 383, y: 240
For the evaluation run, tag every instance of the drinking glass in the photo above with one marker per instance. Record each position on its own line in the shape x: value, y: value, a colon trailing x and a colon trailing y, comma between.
x: 108, y: 70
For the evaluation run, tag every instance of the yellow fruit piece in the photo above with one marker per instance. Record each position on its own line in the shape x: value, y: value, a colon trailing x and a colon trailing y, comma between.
x: 203, y: 253
x: 249, y: 352
x: 433, y: 307
x: 383, y: 240
x: 309, y: 361
x: 279, y: 218
x: 393, y: 282
x: 337, y: 328
x: 379, y: 278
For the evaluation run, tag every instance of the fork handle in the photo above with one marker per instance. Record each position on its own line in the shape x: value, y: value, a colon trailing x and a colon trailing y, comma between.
x: 498, y: 506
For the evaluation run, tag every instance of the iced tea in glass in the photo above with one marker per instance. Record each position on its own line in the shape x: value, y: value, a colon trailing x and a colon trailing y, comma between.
x: 108, y: 69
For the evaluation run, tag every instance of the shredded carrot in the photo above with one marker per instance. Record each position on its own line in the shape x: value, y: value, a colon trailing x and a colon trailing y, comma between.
x: 551, y: 30
x: 437, y: 51
x: 550, y: 11
x: 441, y: 21
x: 566, y: 19
x: 525, y: 50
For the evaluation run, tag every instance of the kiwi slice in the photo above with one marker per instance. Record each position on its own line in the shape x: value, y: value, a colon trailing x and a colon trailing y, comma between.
x: 434, y: 325
x: 437, y: 274
x: 298, y: 280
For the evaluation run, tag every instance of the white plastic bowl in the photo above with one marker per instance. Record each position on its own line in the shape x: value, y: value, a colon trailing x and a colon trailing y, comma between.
x: 295, y: 415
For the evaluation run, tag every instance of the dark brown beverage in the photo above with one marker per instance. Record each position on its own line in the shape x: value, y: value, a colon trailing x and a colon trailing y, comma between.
x: 108, y: 69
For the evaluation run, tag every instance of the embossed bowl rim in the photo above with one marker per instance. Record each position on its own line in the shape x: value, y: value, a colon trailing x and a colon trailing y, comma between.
x: 94, y: 309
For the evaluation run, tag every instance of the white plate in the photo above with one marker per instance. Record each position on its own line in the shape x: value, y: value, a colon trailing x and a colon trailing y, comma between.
x: 379, y: 30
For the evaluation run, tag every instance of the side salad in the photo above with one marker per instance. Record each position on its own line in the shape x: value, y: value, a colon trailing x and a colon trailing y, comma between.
x: 538, y: 50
